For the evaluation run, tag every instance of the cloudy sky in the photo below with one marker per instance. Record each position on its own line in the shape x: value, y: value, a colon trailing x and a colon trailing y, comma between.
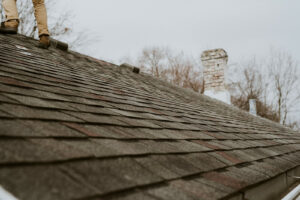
x: 242, y: 27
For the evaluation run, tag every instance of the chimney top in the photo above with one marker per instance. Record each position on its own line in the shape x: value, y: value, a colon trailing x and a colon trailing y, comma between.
x: 214, y: 54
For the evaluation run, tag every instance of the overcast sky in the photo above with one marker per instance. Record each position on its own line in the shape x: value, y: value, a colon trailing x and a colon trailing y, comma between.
x: 242, y: 27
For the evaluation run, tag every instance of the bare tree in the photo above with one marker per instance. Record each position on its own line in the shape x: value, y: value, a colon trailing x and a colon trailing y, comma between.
x: 185, y: 72
x: 250, y: 80
x: 284, y: 78
x: 273, y: 83
x: 177, y: 69
x: 60, y: 26
x: 252, y: 84
x: 155, y: 61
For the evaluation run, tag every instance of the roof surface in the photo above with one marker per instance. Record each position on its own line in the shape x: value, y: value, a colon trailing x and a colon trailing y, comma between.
x: 72, y: 127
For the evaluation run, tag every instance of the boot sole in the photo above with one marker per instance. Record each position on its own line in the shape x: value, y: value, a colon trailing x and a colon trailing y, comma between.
x: 7, y: 30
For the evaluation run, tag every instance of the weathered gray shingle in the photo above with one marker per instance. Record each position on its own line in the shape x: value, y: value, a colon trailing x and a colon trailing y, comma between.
x: 73, y: 127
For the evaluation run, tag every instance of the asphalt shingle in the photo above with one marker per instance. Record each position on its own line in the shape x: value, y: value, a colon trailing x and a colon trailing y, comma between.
x: 74, y: 127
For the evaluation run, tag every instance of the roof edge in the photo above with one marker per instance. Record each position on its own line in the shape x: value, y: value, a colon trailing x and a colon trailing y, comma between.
x: 274, y: 188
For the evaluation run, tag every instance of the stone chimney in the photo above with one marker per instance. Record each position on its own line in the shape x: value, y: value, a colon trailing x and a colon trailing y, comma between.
x: 215, y: 63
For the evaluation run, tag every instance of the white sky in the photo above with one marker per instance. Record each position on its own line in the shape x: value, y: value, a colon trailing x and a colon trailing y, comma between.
x: 242, y: 27
x: 4, y: 195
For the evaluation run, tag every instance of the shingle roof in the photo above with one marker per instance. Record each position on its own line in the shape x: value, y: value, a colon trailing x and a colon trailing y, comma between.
x: 73, y: 127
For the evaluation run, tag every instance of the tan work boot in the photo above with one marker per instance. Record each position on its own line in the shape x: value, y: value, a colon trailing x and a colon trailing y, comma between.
x: 44, y: 41
x: 9, y: 27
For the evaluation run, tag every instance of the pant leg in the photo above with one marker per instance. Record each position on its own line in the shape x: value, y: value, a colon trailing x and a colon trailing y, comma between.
x: 41, y: 16
x: 10, y: 9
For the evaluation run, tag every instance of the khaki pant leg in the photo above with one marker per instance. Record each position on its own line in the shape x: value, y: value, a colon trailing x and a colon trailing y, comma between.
x: 41, y: 16
x: 10, y: 9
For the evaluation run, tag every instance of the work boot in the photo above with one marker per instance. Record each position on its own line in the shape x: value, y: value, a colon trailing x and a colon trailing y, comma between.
x: 44, y: 41
x: 9, y: 27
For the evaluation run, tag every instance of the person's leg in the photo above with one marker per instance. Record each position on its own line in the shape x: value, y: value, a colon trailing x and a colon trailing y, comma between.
x: 41, y: 16
x: 41, y: 19
x: 12, y: 17
x: 10, y: 9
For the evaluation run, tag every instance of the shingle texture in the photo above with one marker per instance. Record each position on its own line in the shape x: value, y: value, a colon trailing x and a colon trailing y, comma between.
x: 73, y: 127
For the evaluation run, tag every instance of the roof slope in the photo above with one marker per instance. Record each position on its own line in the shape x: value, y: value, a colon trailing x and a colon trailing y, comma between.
x: 72, y: 127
